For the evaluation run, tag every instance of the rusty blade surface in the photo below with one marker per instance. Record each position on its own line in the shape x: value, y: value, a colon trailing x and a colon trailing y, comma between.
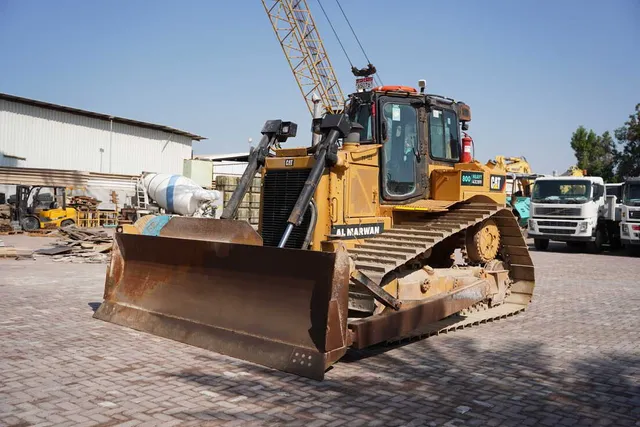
x: 218, y: 230
x: 411, y: 318
x: 282, y: 308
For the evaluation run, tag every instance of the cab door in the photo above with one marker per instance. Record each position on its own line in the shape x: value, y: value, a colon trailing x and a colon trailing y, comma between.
x: 402, y: 161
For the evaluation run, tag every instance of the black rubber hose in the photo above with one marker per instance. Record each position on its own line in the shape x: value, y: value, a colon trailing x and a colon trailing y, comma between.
x: 312, y: 224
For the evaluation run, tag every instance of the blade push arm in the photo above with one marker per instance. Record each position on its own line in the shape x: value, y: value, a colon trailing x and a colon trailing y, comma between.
x: 333, y: 127
x: 273, y: 131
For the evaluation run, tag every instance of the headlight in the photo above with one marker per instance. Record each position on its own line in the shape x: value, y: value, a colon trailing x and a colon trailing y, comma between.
x: 532, y: 225
x: 584, y: 225
x: 625, y: 229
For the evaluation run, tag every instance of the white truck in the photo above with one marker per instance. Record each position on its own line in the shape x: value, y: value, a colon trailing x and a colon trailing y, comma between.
x: 630, y: 221
x: 575, y: 210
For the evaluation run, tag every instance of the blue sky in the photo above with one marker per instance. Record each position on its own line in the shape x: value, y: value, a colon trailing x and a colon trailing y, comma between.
x: 531, y: 71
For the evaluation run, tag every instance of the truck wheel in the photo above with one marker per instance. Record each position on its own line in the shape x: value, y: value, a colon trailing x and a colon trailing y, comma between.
x: 616, y: 244
x: 541, y: 244
x: 596, y: 245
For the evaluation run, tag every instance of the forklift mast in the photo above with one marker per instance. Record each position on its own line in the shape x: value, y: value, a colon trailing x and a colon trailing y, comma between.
x: 22, y: 202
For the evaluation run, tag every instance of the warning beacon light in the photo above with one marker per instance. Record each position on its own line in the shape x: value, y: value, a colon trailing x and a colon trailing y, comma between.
x: 422, y: 84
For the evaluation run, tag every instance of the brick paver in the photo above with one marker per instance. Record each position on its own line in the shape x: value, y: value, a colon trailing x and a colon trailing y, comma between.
x: 572, y: 359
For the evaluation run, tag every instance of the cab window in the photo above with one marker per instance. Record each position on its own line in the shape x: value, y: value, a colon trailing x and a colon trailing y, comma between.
x: 400, y: 153
x: 444, y: 136
x: 362, y: 116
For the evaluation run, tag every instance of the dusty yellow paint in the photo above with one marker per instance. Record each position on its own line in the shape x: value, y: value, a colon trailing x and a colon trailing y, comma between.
x: 511, y: 164
x: 446, y: 184
x: 305, y: 162
x: 426, y: 205
x: 349, y: 192
x: 291, y: 152
x: 52, y: 218
x: 323, y: 226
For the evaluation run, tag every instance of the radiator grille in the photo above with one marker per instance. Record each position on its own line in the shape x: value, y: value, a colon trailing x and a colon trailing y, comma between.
x: 280, y: 192
x: 634, y: 214
x: 558, y: 211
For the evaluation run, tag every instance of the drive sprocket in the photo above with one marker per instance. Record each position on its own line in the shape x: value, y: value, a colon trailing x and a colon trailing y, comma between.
x: 482, y: 241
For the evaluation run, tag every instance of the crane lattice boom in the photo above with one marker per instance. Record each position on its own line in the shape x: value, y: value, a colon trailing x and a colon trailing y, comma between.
x: 296, y: 31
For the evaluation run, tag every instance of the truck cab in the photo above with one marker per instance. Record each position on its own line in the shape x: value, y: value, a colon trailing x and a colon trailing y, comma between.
x: 571, y: 209
x: 518, y: 188
x: 630, y: 213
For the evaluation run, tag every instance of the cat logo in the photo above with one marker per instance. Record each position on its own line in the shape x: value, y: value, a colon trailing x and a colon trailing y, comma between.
x: 497, y: 183
x: 288, y: 162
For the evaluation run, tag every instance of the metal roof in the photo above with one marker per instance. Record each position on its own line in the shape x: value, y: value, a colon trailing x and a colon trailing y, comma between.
x: 100, y: 116
x: 239, y: 157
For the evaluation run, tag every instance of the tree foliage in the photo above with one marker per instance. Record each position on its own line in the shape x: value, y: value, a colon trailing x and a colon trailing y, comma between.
x: 601, y: 156
x: 596, y: 154
x: 628, y: 155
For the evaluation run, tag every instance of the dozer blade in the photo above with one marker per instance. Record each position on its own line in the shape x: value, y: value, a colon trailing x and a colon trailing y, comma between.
x: 212, y: 230
x: 282, y: 308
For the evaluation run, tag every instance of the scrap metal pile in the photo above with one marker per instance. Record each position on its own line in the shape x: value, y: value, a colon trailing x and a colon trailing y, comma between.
x: 80, y: 245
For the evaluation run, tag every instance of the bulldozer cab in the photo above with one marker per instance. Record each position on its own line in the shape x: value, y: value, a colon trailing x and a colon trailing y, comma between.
x: 415, y: 130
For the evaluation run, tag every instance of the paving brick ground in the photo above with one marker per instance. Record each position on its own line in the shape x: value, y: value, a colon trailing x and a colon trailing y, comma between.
x: 572, y: 359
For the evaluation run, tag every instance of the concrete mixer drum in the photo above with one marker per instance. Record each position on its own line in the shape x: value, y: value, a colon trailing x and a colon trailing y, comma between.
x: 180, y: 195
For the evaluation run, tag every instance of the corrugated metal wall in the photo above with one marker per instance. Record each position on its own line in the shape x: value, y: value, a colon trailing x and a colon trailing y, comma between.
x: 92, y: 184
x: 101, y: 186
x: 37, y: 137
x: 29, y: 176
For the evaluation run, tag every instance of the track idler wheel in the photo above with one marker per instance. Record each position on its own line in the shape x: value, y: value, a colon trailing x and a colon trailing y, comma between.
x: 483, y: 241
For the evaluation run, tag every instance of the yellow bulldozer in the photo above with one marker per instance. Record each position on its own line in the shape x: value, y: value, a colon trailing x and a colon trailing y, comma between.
x: 374, y: 232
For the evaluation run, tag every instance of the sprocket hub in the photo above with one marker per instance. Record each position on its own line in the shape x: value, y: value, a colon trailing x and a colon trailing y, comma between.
x: 483, y: 242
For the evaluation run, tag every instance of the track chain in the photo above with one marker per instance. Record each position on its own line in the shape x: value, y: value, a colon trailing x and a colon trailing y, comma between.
x: 391, y: 250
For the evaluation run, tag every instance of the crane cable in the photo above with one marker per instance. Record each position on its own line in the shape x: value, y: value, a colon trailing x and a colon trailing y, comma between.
x: 358, y: 40
x: 335, y: 33
x: 340, y: 41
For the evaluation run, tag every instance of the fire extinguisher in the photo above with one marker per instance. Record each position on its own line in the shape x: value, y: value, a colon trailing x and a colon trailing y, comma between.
x: 467, y: 142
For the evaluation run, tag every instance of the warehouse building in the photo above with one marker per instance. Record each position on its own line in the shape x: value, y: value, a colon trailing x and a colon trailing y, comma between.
x: 36, y: 134
x: 232, y: 164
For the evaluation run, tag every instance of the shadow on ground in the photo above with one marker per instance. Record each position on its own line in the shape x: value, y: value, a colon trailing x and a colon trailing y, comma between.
x: 427, y: 386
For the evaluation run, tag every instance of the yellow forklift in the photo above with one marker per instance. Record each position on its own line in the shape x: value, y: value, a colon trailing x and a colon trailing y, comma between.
x: 35, y: 209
